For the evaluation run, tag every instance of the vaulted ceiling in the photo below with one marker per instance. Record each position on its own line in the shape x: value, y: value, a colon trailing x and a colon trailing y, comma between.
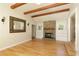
x: 37, y: 10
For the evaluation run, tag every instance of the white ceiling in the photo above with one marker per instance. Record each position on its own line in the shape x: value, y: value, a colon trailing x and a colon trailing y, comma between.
x: 31, y: 6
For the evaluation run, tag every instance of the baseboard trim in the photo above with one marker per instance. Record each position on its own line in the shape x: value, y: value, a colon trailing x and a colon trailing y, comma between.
x: 1, y: 49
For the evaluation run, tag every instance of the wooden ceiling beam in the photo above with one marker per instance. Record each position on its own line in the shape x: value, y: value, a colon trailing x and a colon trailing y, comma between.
x: 45, y: 7
x: 16, y: 5
x: 53, y: 12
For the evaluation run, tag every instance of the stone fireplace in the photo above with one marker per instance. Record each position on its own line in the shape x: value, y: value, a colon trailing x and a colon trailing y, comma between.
x: 49, y: 29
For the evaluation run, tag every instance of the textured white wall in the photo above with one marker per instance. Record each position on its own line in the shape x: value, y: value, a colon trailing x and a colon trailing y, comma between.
x: 74, y: 10
x: 39, y: 32
x: 77, y: 28
x: 61, y: 18
x: 61, y: 35
x: 6, y: 38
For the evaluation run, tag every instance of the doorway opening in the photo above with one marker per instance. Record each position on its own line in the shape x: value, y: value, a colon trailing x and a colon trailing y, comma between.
x: 72, y: 31
x: 33, y: 31
x: 72, y: 28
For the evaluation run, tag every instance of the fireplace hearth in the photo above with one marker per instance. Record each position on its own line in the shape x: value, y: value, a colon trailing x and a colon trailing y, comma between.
x: 49, y: 35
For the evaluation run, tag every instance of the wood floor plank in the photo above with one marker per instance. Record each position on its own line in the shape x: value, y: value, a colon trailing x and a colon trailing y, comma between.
x: 39, y: 47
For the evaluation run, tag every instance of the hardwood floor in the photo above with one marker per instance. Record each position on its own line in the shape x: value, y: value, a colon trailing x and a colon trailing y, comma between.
x: 70, y: 47
x: 38, y: 48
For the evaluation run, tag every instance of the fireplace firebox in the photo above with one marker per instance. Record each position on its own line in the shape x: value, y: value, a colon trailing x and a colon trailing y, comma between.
x: 49, y: 35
